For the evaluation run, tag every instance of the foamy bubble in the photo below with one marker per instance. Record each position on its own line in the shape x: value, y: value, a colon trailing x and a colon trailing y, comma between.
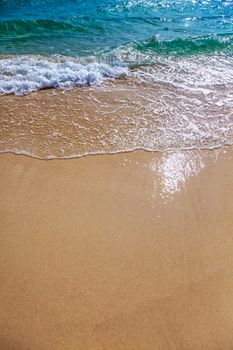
x: 23, y: 75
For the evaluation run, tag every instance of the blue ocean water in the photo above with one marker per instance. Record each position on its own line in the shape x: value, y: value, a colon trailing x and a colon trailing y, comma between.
x: 48, y: 43
x: 81, y: 28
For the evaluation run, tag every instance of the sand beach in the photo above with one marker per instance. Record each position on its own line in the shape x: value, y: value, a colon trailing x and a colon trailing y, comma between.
x: 116, y: 167
x: 126, y: 251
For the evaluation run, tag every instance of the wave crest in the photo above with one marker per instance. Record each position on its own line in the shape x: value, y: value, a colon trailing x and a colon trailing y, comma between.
x: 185, y: 46
x: 23, y: 27
x: 23, y: 75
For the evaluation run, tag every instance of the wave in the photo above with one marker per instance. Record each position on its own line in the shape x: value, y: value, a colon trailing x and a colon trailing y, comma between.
x: 19, y: 28
x: 176, y: 103
x: 185, y: 46
x: 176, y: 46
x: 23, y: 75
x: 155, y: 116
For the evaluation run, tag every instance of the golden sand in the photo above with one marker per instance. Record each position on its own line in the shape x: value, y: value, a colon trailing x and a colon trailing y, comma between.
x: 129, y: 251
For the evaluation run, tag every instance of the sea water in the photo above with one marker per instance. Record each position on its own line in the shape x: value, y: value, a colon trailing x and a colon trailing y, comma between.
x: 179, y: 54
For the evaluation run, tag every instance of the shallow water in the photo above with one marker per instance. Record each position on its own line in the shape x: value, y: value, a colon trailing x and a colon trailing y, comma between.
x: 174, y: 61
x: 115, y: 117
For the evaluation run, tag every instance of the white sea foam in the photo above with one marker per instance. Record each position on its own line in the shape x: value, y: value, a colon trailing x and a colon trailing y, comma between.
x: 173, y: 104
x: 23, y: 75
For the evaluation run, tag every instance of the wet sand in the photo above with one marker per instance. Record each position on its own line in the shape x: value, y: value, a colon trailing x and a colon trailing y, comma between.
x: 127, y: 251
x: 113, y: 117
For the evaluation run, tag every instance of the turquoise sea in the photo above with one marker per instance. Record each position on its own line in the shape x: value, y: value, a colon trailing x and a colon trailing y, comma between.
x: 181, y: 51
x: 93, y: 27
x: 122, y: 33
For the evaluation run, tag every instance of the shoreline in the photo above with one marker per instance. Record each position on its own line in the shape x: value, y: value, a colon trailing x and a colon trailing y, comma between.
x: 111, y: 119
x: 127, y: 152
x: 126, y: 251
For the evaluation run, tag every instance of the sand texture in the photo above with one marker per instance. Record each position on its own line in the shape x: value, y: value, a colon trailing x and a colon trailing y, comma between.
x: 128, y: 251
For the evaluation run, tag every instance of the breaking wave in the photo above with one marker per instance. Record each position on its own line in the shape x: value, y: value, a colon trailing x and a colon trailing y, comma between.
x: 23, y: 75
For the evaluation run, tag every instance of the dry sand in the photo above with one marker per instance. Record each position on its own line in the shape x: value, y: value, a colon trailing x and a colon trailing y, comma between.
x: 128, y: 251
